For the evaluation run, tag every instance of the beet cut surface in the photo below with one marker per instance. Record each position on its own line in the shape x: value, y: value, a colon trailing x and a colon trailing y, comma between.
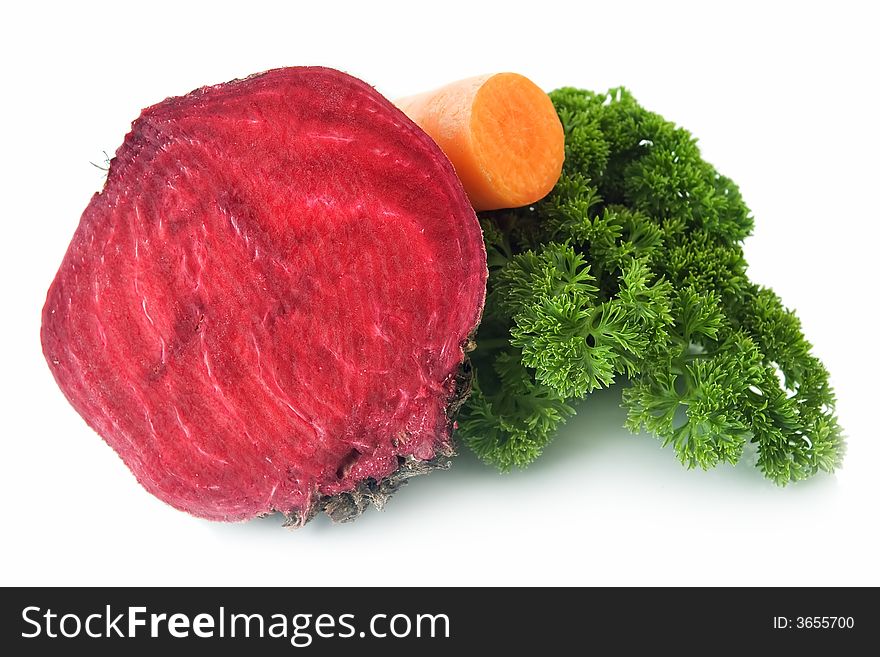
x: 267, y: 305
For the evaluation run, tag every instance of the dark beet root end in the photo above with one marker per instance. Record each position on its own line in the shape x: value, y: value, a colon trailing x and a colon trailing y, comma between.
x: 267, y: 307
x: 348, y: 506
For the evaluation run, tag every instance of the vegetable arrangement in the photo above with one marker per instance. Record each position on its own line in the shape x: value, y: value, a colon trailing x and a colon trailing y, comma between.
x: 268, y: 306
x: 632, y: 269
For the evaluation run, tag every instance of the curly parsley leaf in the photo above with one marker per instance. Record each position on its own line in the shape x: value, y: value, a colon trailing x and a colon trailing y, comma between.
x: 633, y: 267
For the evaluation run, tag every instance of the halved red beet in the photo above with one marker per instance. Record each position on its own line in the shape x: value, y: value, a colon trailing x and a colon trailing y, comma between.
x: 267, y: 307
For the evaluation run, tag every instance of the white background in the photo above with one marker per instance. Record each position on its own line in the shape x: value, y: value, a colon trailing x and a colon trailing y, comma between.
x: 784, y: 100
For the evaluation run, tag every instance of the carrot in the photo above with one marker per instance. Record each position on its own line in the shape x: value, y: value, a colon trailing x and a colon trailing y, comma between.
x: 501, y: 133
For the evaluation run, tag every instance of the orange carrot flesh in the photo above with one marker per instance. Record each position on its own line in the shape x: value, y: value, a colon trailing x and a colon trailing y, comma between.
x: 501, y: 133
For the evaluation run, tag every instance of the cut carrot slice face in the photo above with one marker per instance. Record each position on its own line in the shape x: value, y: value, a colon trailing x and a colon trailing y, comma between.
x: 501, y: 133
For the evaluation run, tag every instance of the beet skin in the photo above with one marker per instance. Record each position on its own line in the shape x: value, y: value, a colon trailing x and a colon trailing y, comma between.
x: 266, y: 308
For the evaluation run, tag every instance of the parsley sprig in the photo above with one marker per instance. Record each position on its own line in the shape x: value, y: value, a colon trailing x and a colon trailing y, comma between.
x: 632, y: 270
